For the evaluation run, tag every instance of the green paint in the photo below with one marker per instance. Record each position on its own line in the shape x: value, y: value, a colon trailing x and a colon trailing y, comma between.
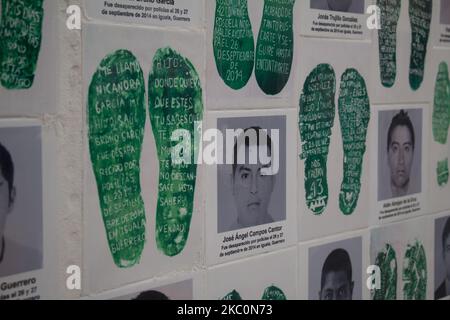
x: 233, y: 295
x: 275, y: 46
x: 20, y: 42
x: 415, y: 272
x: 386, y: 260
x: 116, y: 121
x: 441, y: 118
x: 442, y: 172
x: 175, y: 102
x: 354, y: 116
x: 441, y: 110
x: 420, y: 12
x: 387, y: 40
x: 316, y: 119
x: 233, y: 43
x: 273, y: 293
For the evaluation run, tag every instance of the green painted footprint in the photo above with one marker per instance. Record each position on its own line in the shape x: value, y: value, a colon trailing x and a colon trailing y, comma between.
x: 387, y: 262
x: 354, y: 116
x: 415, y: 272
x: 387, y: 40
x: 442, y: 172
x: 316, y: 120
x: 273, y: 293
x: 175, y: 104
x: 441, y: 118
x: 116, y: 121
x: 233, y: 43
x: 275, y: 46
x: 20, y: 34
x: 420, y: 12
x: 233, y: 295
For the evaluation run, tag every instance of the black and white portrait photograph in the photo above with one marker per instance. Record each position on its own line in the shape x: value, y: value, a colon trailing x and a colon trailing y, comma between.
x: 20, y: 200
x: 335, y: 270
x: 175, y: 291
x: 349, y: 6
x: 399, y: 153
x: 252, y: 191
x: 445, y: 12
x: 442, y: 258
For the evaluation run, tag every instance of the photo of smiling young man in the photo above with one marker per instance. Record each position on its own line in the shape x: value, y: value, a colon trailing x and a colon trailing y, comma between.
x: 400, y: 153
x: 252, y: 193
x: 350, y: 6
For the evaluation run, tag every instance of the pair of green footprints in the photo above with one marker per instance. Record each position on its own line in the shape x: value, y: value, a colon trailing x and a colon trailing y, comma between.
x: 316, y: 120
x: 20, y: 42
x: 441, y: 118
x: 272, y: 293
x: 116, y: 121
x: 420, y: 13
x: 414, y: 273
x: 234, y: 48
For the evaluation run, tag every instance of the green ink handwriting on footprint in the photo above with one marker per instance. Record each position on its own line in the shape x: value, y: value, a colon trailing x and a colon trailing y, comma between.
x: 415, y: 272
x: 274, y: 54
x: 386, y: 260
x: 116, y: 121
x: 175, y: 103
x: 442, y: 172
x: 316, y: 120
x: 233, y: 295
x: 387, y: 40
x: 233, y: 43
x: 20, y: 34
x: 441, y: 110
x: 354, y: 116
x: 273, y: 293
x: 420, y: 12
x: 441, y: 118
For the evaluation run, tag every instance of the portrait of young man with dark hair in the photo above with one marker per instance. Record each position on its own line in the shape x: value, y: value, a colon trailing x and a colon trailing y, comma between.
x: 251, y: 188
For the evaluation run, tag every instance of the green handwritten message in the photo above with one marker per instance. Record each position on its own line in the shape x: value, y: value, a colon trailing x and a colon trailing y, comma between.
x: 175, y: 103
x: 387, y: 40
x: 116, y: 120
x: 275, y: 46
x: 420, y: 12
x: 441, y: 118
x: 354, y: 116
x: 233, y: 295
x: 415, y: 272
x: 386, y: 260
x: 316, y: 120
x: 273, y: 293
x: 233, y: 43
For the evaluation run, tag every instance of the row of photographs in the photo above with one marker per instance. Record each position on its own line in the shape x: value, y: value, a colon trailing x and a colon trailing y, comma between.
x: 404, y: 261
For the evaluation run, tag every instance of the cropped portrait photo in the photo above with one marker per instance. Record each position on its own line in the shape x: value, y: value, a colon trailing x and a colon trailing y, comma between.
x: 445, y: 12
x: 20, y: 200
x: 399, y: 153
x: 335, y: 270
x: 442, y: 258
x: 251, y: 191
x: 349, y: 6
